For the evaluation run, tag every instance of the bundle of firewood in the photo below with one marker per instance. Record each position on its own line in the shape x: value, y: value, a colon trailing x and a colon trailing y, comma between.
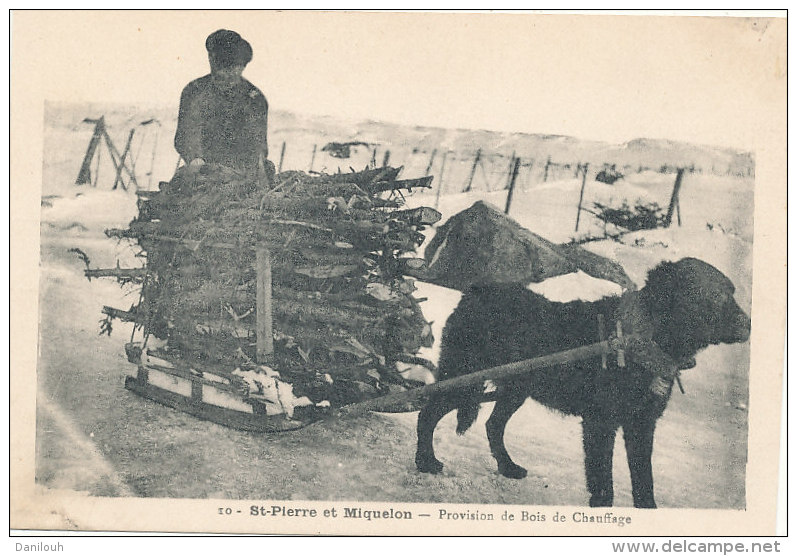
x: 341, y: 252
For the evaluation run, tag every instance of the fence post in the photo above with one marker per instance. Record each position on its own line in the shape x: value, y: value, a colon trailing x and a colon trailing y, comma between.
x: 515, y: 168
x: 431, y: 161
x: 473, y: 170
x: 265, y: 337
x: 674, y: 198
x: 84, y: 175
x: 386, y: 159
x: 547, y: 164
x: 581, y: 195
x: 509, y: 171
x: 312, y: 159
x: 122, y: 159
x: 440, y: 181
x: 97, y: 171
x: 282, y: 157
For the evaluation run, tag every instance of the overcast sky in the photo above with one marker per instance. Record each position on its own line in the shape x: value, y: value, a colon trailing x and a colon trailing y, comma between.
x: 601, y: 77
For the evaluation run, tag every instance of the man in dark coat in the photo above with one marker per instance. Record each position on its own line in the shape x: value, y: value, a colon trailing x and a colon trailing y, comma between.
x: 223, y: 117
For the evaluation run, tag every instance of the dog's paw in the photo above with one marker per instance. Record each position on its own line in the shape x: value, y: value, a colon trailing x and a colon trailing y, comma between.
x: 512, y: 471
x: 427, y: 465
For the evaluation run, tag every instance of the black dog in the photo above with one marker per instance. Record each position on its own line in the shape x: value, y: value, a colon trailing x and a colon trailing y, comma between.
x: 684, y: 307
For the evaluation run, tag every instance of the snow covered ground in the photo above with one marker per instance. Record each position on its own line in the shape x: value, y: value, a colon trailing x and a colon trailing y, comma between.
x: 701, y: 449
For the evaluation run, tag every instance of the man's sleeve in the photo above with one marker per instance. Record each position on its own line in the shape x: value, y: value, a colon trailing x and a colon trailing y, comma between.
x: 188, y: 138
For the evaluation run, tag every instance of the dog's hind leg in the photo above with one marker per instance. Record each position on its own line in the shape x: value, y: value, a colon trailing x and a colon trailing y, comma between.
x: 599, y: 438
x: 638, y: 437
x: 505, y: 406
x: 428, y: 417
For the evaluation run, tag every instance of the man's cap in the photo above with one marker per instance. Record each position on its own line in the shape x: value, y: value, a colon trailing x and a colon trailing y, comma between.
x: 228, y: 48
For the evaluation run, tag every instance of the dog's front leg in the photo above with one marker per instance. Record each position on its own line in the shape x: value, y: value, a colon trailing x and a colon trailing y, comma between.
x: 508, y: 402
x: 638, y: 437
x: 428, y: 417
x: 599, y: 435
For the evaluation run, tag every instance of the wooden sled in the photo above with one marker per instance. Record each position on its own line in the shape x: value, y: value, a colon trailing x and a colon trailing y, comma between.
x: 226, y: 404
x: 218, y: 401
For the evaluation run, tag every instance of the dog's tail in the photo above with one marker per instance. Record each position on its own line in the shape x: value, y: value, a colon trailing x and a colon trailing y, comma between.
x: 466, y: 415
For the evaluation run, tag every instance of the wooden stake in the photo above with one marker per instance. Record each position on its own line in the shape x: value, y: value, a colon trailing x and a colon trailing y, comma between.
x: 473, y: 170
x: 84, y: 175
x: 122, y: 159
x: 509, y: 171
x: 282, y: 157
x: 116, y: 158
x: 440, y: 180
x: 312, y: 159
x: 515, y: 169
x: 97, y: 170
x: 431, y: 161
x: 620, y: 352
x: 581, y: 195
x: 265, y: 336
x: 154, y: 151
x: 674, y: 198
x: 547, y: 165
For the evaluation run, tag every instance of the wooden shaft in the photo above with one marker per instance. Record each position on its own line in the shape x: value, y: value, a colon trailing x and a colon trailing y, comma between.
x: 265, y: 337
x: 413, y: 398
x: 581, y: 195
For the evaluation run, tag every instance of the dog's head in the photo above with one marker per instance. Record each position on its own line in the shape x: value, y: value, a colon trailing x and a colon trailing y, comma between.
x: 692, y: 306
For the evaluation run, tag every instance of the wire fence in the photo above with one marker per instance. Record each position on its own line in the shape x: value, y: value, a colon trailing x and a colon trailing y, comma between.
x: 150, y: 158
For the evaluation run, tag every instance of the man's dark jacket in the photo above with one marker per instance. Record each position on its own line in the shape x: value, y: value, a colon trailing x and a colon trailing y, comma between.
x: 225, y: 127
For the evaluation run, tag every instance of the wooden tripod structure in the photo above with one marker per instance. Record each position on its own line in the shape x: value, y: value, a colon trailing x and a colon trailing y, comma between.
x: 123, y: 163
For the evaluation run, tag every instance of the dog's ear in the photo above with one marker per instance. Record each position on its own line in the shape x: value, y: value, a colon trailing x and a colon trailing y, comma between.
x: 660, y: 289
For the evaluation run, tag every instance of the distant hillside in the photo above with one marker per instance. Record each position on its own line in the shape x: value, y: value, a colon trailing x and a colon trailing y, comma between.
x: 412, y: 145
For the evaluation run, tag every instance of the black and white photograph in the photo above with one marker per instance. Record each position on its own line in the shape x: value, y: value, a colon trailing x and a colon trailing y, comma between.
x: 397, y: 273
